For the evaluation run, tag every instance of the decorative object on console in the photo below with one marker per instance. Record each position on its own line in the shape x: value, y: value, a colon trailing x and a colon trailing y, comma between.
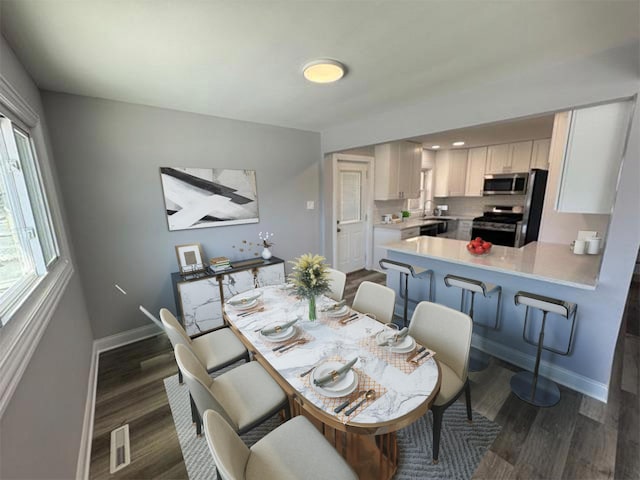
x: 209, y: 197
x: 266, y: 243
x: 310, y: 277
x: 190, y: 258
x: 219, y: 264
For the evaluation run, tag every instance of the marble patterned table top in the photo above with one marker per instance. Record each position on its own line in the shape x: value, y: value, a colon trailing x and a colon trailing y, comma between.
x: 404, y: 392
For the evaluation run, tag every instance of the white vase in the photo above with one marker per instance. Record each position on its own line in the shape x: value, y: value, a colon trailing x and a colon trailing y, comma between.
x: 266, y: 253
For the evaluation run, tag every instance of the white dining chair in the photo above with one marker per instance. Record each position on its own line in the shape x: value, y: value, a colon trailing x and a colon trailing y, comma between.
x: 376, y: 299
x: 447, y: 332
x: 293, y: 451
x: 245, y: 396
x: 337, y: 281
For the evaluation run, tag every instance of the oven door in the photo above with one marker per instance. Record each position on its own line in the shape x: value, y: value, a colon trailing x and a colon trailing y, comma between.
x: 497, y: 237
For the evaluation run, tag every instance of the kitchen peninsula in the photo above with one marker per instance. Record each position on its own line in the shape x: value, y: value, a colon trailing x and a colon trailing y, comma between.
x: 541, y: 268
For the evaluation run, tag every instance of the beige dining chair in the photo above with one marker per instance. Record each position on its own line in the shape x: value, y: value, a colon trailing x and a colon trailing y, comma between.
x: 376, y: 299
x: 448, y: 333
x: 245, y: 396
x: 337, y: 281
x: 293, y: 451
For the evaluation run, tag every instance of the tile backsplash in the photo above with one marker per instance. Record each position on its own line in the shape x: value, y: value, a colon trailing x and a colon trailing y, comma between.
x: 382, y: 207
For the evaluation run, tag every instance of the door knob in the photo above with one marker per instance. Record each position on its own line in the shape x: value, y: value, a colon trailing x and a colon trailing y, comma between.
x: 339, y: 230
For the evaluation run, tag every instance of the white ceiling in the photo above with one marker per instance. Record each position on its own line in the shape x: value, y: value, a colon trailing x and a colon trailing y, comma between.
x: 243, y: 59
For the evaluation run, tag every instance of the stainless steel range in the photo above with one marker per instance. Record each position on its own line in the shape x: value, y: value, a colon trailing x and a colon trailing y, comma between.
x: 501, y: 225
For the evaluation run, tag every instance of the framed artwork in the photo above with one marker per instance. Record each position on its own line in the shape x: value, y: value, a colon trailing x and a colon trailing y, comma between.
x: 209, y: 197
x: 190, y: 258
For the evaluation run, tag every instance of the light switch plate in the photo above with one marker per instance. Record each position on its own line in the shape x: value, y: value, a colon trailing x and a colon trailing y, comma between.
x: 311, y: 205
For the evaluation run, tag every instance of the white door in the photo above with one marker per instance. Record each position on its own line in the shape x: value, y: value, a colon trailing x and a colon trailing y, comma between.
x: 351, y: 204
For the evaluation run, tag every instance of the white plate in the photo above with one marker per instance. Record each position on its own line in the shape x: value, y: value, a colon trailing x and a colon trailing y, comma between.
x: 341, y: 312
x: 344, y: 386
x: 242, y: 299
x: 406, y: 345
x: 246, y: 306
x: 281, y: 336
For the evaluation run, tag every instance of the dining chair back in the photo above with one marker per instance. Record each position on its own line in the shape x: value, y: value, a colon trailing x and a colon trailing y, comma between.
x: 230, y: 454
x: 337, y: 281
x: 198, y: 381
x: 376, y: 299
x: 174, y: 330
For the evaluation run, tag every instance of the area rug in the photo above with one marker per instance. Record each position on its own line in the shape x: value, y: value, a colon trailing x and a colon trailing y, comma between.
x: 462, y: 445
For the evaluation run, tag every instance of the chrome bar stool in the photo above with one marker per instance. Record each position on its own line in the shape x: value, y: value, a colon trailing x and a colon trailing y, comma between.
x: 530, y: 387
x: 478, y: 360
x: 405, y: 270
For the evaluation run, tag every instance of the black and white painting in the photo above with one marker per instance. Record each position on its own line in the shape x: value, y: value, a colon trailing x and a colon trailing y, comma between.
x: 209, y: 197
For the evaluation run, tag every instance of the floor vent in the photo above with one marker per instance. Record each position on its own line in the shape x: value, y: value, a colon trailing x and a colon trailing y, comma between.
x: 120, y: 449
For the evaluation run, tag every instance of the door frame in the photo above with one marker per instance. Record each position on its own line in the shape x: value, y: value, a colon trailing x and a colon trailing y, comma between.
x: 368, y: 229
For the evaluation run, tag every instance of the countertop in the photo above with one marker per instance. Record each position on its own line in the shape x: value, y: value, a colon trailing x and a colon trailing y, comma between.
x: 418, y: 222
x: 550, y: 262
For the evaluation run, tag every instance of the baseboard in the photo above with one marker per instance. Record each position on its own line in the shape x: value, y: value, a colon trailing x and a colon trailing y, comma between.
x: 84, y: 454
x: 572, y: 380
x: 102, y: 345
x: 124, y: 338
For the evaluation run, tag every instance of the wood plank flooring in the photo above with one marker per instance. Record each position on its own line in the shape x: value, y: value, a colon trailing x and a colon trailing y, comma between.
x: 580, y: 438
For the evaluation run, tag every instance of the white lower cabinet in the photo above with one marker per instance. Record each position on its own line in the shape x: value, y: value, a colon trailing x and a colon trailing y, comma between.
x: 464, y: 230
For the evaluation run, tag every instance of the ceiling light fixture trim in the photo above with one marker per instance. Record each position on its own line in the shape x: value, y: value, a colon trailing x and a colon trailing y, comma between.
x: 324, y: 70
x: 458, y: 144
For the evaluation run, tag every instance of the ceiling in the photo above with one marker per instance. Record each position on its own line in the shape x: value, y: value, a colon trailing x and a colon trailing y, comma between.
x: 243, y: 59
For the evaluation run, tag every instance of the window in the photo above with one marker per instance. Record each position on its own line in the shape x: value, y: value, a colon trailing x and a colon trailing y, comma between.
x: 28, y: 246
x: 424, y: 203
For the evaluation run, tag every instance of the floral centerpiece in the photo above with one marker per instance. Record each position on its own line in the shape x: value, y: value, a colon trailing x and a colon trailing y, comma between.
x: 310, y: 276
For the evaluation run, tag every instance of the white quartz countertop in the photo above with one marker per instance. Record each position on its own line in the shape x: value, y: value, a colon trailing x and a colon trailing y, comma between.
x: 550, y: 262
x: 418, y: 222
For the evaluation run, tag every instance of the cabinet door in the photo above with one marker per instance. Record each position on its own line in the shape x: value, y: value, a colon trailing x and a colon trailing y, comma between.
x: 410, y: 166
x: 457, y: 172
x: 464, y: 230
x: 409, y: 233
x: 520, y: 156
x: 200, y: 304
x: 270, y: 275
x: 476, y: 164
x: 592, y: 158
x: 497, y: 158
x: 441, y: 179
x: 387, y: 171
x: 540, y: 154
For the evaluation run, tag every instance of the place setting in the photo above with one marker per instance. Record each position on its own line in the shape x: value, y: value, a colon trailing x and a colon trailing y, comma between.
x: 285, y: 336
x: 246, y: 304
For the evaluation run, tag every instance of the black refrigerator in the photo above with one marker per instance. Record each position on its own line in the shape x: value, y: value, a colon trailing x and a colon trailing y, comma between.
x: 533, y: 204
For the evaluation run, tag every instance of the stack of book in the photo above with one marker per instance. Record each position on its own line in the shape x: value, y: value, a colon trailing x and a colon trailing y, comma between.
x: 220, y: 264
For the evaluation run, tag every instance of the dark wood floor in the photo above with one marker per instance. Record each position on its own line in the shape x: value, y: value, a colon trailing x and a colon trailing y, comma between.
x: 579, y: 438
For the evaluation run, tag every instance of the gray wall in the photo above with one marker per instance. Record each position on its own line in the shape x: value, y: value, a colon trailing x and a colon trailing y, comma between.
x: 109, y: 154
x: 41, y: 427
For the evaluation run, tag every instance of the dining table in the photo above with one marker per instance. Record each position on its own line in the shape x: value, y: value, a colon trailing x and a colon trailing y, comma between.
x: 385, y: 387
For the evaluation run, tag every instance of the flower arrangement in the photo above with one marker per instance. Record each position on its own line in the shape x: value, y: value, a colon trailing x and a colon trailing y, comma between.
x: 265, y: 239
x: 310, y: 277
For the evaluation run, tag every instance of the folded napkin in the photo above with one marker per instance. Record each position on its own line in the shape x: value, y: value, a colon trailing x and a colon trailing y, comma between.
x: 277, y: 328
x: 335, y: 306
x: 389, y: 338
x: 333, y: 376
x: 244, y: 300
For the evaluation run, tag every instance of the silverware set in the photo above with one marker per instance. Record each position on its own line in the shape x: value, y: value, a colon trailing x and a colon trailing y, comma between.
x: 415, y: 358
x: 246, y: 314
x: 290, y: 345
x: 350, y: 318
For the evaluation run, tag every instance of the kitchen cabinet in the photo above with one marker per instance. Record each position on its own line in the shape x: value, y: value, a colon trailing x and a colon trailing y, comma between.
x: 540, y: 154
x: 476, y: 164
x: 509, y: 157
x: 592, y: 158
x: 397, y: 166
x: 451, y: 172
x: 464, y: 230
x: 409, y: 233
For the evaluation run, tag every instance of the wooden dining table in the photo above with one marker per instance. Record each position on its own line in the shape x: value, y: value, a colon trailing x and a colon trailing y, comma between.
x: 404, y: 390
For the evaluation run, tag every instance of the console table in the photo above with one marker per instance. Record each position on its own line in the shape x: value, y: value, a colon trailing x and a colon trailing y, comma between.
x: 199, y: 296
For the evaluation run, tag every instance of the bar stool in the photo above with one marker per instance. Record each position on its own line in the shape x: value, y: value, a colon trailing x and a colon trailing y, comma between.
x: 478, y: 360
x: 530, y: 387
x: 405, y: 270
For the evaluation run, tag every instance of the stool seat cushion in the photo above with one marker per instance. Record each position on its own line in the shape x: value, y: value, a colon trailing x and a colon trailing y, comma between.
x: 247, y: 393
x: 548, y: 305
x: 218, y: 348
x: 472, y: 285
x: 293, y: 451
x: 450, y: 385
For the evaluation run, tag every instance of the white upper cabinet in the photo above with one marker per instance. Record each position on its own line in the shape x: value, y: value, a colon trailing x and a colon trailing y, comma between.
x: 540, y: 154
x: 476, y: 164
x: 451, y: 172
x: 592, y: 158
x: 509, y: 158
x: 397, y: 172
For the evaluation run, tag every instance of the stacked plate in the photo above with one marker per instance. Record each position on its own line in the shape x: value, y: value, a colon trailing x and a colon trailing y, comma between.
x: 404, y: 345
x: 338, y: 313
x: 244, y: 302
x: 344, y: 385
x: 281, y: 336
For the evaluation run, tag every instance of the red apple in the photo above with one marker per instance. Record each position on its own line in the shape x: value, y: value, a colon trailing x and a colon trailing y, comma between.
x: 479, y: 250
x: 487, y: 245
x: 470, y: 246
x: 478, y: 239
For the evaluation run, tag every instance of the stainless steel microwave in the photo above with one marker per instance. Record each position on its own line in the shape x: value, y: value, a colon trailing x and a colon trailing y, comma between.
x: 505, y: 184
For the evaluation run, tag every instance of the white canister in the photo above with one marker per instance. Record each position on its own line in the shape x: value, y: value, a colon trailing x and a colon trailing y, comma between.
x: 579, y: 247
x: 593, y: 245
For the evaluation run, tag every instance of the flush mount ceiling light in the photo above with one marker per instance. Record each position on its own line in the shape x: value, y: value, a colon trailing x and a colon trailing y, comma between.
x: 435, y: 147
x: 458, y: 144
x: 323, y: 71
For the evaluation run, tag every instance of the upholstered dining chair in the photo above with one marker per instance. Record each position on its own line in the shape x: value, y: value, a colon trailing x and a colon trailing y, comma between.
x: 245, y: 396
x: 337, y: 281
x: 293, y: 451
x: 447, y: 332
x: 376, y: 299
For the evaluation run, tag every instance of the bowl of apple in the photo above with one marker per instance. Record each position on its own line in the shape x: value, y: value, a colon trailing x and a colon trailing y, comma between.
x: 479, y: 247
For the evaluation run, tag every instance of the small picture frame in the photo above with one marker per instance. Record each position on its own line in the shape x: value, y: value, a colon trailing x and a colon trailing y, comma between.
x: 190, y: 258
